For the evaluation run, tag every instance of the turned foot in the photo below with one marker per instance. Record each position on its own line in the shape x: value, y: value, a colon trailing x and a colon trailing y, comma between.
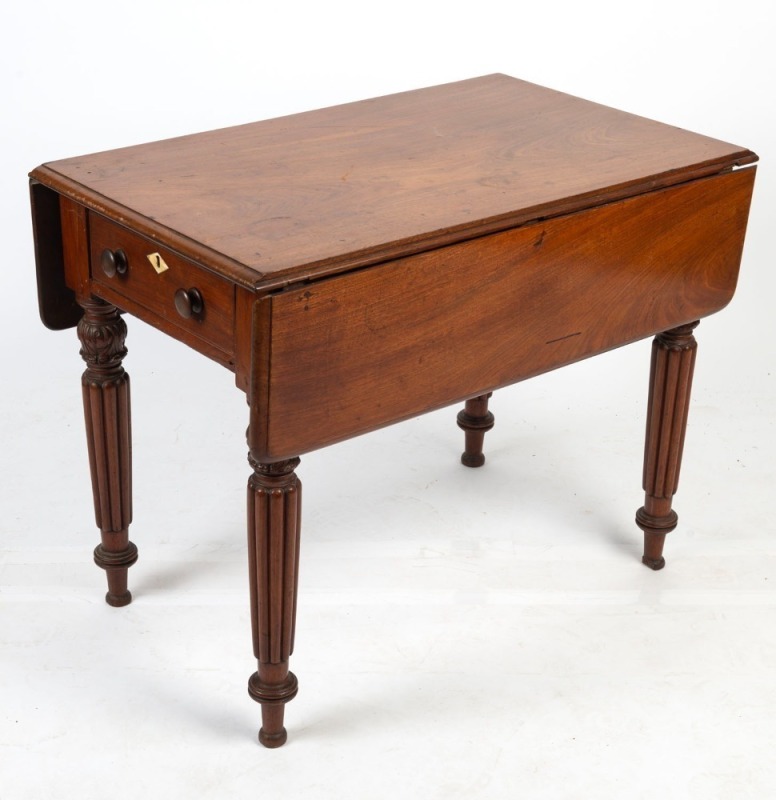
x: 116, y: 566
x: 475, y: 420
x: 655, y: 529
x: 673, y: 360
x: 273, y: 691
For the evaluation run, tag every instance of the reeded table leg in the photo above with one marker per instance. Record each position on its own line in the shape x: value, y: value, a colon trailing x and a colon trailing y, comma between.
x: 673, y: 360
x: 274, y: 516
x: 475, y: 420
x: 106, y: 411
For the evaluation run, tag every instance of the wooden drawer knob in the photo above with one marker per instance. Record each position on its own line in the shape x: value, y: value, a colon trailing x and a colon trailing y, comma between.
x: 114, y: 262
x: 188, y: 302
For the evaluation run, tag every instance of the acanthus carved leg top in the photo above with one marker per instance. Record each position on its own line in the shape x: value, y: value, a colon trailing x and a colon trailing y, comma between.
x: 102, y: 333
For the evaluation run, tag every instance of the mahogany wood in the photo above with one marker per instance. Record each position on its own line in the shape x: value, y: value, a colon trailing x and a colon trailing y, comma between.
x: 475, y: 420
x: 359, y: 351
x: 362, y: 264
x: 274, y: 517
x: 56, y: 300
x: 156, y: 292
x: 244, y: 302
x: 325, y: 191
x: 670, y: 381
x: 75, y: 247
x: 108, y: 435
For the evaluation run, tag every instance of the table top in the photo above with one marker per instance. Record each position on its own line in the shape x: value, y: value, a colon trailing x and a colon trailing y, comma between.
x: 325, y: 191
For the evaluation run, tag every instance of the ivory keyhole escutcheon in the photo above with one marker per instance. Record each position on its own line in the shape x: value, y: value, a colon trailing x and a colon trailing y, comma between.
x: 157, y: 262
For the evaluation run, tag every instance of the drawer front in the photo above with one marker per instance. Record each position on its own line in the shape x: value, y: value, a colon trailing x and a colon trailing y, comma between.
x: 353, y: 353
x: 148, y: 277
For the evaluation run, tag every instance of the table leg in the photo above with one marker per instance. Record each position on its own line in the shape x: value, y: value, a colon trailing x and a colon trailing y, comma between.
x: 673, y: 360
x: 106, y: 411
x: 274, y: 516
x: 475, y: 420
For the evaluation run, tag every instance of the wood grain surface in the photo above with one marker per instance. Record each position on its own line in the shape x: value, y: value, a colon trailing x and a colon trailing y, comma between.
x: 325, y: 191
x: 355, y: 352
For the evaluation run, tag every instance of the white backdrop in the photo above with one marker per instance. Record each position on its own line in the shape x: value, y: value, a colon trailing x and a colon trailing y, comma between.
x: 407, y: 683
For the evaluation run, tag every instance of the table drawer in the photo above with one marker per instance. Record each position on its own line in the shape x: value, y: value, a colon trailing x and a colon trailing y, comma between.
x: 154, y: 279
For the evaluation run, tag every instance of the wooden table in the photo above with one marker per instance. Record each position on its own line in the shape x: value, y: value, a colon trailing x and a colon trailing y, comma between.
x: 363, y: 264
